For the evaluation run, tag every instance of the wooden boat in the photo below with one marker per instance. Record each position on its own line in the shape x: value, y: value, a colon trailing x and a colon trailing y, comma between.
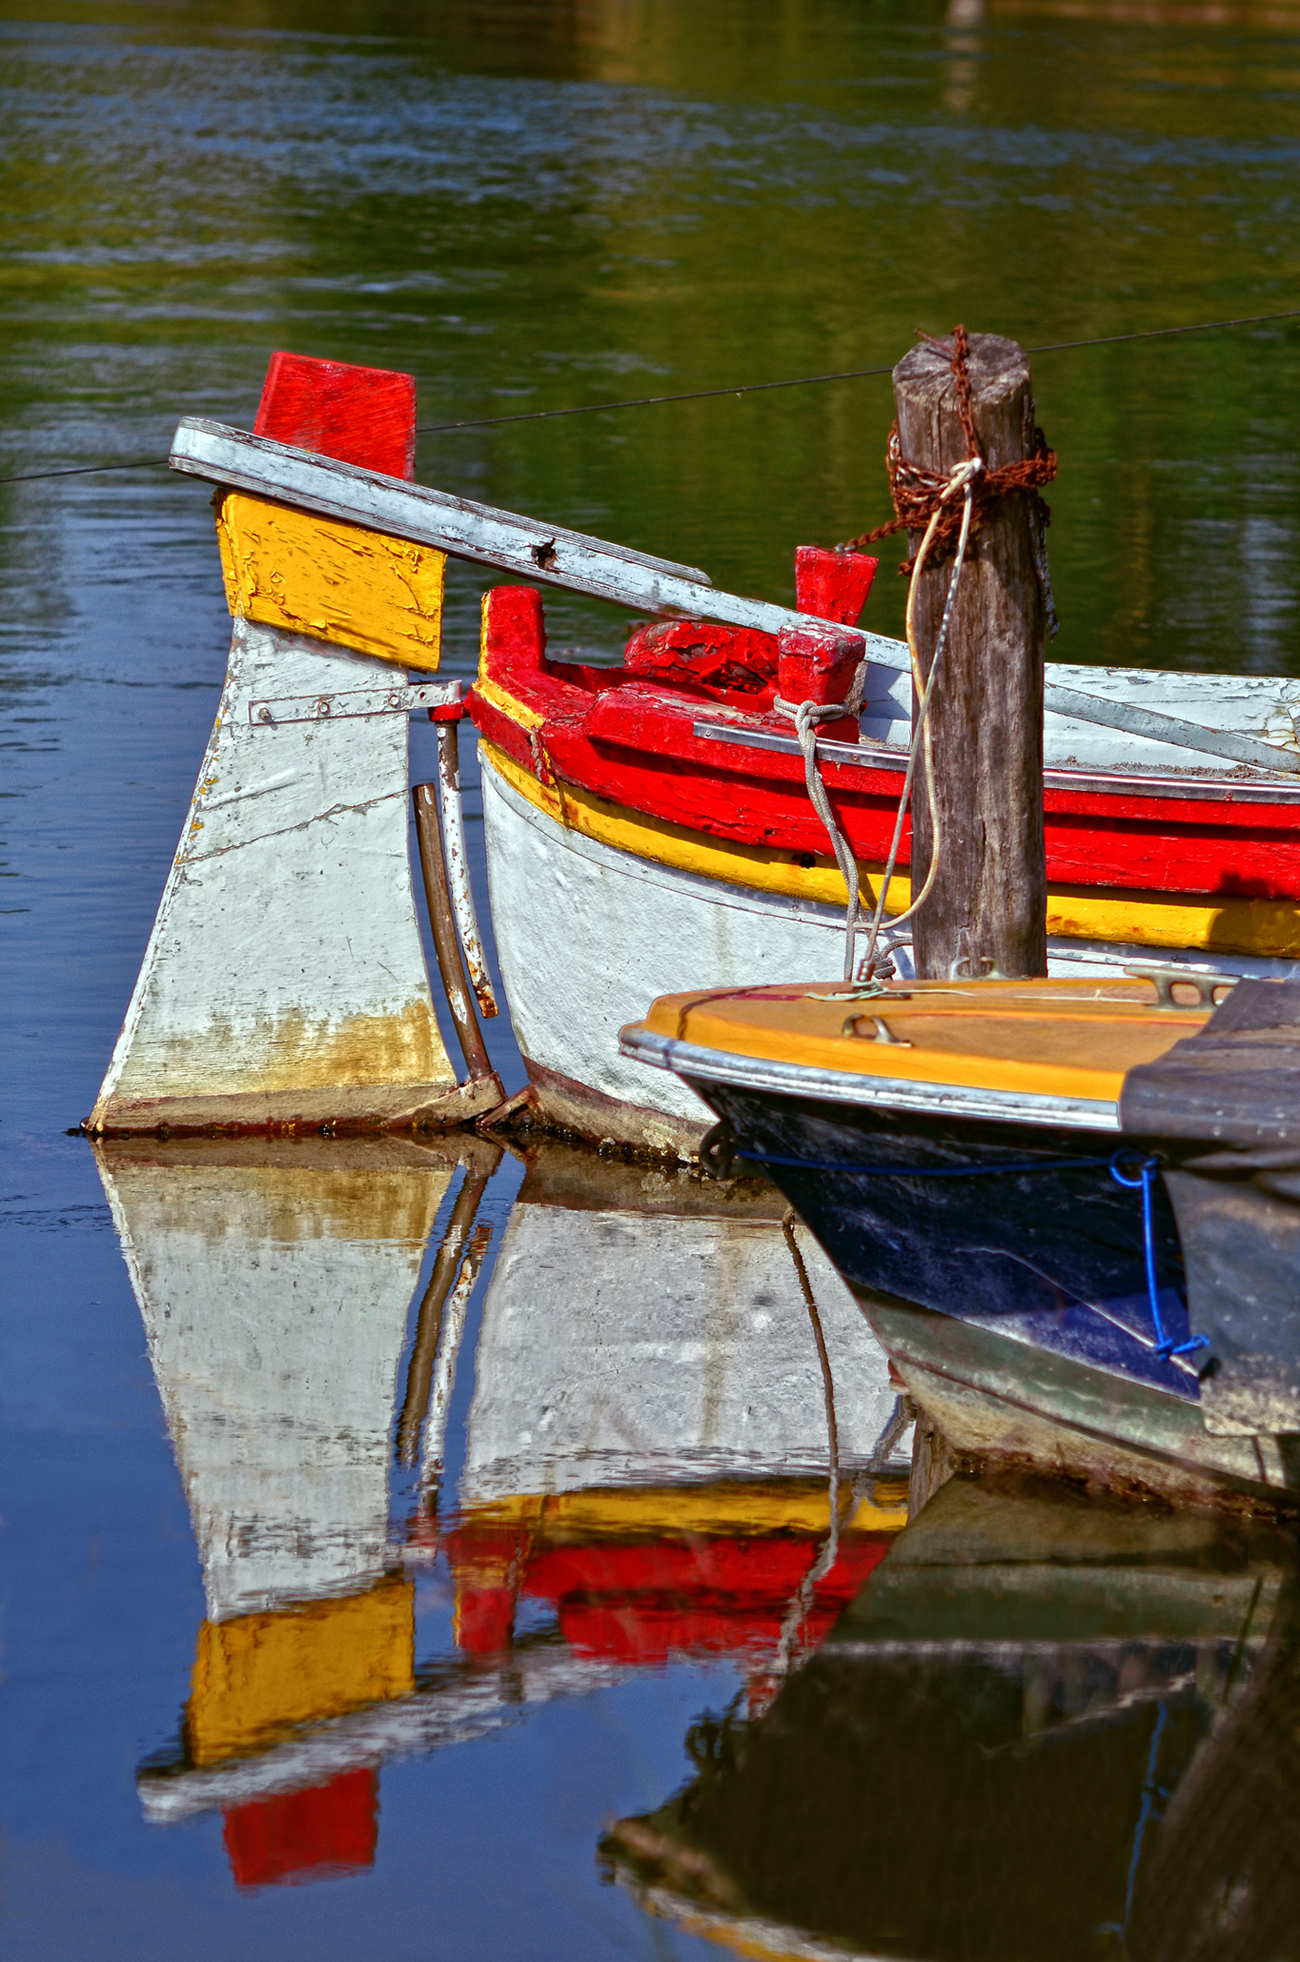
x: 646, y: 1473
x: 1092, y: 1708
x: 1074, y: 1229
x: 649, y: 828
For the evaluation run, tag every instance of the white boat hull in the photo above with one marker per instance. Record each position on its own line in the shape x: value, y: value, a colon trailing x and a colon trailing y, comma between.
x: 588, y: 935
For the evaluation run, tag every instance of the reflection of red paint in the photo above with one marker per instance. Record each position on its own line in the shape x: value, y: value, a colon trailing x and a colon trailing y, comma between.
x: 320, y: 1834
x: 484, y: 1619
x: 642, y: 1601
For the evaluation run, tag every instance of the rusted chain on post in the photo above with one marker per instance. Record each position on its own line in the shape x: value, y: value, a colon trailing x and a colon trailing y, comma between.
x: 917, y: 491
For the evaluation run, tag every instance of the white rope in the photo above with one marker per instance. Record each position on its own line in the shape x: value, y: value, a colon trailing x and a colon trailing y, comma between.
x: 959, y: 479
x: 806, y: 716
x: 828, y: 1553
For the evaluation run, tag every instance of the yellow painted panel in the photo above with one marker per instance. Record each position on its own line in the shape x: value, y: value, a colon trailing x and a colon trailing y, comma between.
x: 660, y: 1511
x: 527, y: 718
x: 257, y: 1675
x: 1140, y: 919
x: 338, y: 582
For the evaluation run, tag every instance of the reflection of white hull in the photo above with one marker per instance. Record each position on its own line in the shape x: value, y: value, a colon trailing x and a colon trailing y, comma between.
x: 645, y: 1330
x: 275, y: 1296
x: 589, y: 934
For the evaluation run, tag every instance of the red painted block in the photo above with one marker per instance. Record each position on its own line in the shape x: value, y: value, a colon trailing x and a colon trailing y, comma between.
x: 697, y: 654
x: 514, y: 629
x: 814, y: 666
x: 356, y: 415
x: 317, y: 1834
x: 832, y: 585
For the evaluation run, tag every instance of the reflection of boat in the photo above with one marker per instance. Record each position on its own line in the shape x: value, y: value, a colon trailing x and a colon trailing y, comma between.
x: 1047, y: 1728
x: 647, y: 1466
x: 980, y: 1159
x: 647, y: 1445
x: 275, y: 1281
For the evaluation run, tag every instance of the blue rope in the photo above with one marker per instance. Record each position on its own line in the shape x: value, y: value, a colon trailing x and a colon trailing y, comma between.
x: 1146, y: 1811
x: 1146, y: 1169
x: 1146, y: 1172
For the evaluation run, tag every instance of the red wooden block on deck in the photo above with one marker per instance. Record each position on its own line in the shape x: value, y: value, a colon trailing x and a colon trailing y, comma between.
x: 832, y: 585
x: 817, y: 666
x: 356, y: 415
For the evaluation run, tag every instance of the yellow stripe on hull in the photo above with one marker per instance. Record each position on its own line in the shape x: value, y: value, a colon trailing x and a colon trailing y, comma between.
x: 337, y: 582
x: 1262, y: 927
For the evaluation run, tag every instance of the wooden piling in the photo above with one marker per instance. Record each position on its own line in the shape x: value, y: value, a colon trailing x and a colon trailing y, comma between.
x: 987, y: 911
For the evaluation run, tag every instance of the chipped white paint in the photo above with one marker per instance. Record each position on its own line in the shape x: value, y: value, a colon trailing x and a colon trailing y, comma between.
x: 588, y: 935
x: 275, y: 1302
x: 286, y: 952
x: 1260, y: 705
x: 628, y: 1348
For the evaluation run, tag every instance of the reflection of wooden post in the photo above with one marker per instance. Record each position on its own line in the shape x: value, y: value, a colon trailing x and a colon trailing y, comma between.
x: 988, y: 909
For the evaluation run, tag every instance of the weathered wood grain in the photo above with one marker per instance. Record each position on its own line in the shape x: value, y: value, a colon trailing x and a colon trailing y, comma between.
x: 337, y: 582
x: 987, y: 911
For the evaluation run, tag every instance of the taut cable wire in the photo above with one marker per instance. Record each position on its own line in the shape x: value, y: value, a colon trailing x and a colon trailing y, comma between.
x: 700, y: 394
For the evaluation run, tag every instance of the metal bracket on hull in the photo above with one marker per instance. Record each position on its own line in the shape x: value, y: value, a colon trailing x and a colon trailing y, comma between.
x: 406, y: 699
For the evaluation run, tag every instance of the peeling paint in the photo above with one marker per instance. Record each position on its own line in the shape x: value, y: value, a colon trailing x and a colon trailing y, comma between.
x: 286, y: 953
x: 337, y: 582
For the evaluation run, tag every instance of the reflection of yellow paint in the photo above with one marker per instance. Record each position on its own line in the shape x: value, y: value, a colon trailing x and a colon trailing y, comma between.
x: 338, y: 582
x: 1140, y: 919
x: 258, y: 1675
x: 663, y: 1511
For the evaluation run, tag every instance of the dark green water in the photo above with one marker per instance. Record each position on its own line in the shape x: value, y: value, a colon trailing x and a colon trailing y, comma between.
x: 543, y: 206
x: 537, y: 207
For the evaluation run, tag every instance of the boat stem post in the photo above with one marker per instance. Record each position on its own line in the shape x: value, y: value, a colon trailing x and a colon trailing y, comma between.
x: 987, y: 911
x: 446, y: 945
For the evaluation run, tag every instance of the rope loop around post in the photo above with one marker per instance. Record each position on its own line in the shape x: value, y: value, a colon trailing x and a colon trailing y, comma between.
x: 918, y: 493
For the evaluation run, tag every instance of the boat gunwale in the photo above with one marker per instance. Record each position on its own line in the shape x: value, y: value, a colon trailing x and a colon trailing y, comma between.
x: 696, y: 1063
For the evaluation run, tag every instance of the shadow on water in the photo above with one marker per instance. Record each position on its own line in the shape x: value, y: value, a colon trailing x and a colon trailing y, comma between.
x: 1045, y: 1727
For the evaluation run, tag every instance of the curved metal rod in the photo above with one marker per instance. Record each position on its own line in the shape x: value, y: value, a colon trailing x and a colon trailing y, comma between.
x: 457, y: 859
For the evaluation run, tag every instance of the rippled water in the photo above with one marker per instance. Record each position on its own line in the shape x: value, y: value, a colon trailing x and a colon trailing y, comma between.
x: 433, y: 1610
